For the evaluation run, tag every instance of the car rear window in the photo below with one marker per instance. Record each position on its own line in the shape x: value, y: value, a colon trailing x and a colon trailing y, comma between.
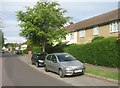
x: 41, y: 56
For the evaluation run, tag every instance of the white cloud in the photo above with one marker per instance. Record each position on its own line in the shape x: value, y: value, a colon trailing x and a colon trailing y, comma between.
x: 15, y: 6
x: 19, y: 0
x: 62, y: 0
x: 88, y: 0
x: 14, y: 40
x: 10, y: 22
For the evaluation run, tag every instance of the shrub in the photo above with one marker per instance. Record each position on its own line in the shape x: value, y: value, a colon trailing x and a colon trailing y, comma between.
x: 36, y: 49
x: 25, y: 51
x: 55, y: 49
x: 103, y: 53
x: 97, y: 38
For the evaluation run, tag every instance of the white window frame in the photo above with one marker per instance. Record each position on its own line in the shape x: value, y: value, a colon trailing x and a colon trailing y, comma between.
x: 72, y: 35
x: 82, y: 33
x: 113, y: 27
x: 96, y: 30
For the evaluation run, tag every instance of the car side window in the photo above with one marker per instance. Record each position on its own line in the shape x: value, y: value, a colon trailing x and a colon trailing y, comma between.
x: 53, y: 59
x: 49, y: 57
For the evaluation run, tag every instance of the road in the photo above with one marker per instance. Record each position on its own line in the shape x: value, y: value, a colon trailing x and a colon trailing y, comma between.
x: 0, y: 70
x: 17, y: 73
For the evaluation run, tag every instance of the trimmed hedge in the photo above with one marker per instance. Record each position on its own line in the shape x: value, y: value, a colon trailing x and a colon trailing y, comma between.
x: 95, y: 39
x: 102, y: 53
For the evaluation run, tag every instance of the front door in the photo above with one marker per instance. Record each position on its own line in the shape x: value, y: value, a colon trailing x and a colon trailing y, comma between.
x: 54, y: 64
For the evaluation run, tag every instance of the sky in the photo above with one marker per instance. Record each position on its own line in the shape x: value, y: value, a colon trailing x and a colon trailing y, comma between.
x: 78, y: 9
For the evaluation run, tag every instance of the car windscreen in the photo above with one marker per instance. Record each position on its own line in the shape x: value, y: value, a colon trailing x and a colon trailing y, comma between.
x: 65, y: 57
x: 41, y: 56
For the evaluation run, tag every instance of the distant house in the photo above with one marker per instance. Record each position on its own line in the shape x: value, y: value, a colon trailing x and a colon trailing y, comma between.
x: 23, y: 47
x: 105, y: 25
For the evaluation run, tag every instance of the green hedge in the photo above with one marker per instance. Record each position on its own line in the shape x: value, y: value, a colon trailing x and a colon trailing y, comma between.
x: 36, y: 49
x: 102, y: 53
x: 95, y: 39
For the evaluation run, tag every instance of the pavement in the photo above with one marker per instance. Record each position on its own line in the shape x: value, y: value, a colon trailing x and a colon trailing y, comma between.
x: 89, y: 65
x: 87, y: 78
x: 108, y: 69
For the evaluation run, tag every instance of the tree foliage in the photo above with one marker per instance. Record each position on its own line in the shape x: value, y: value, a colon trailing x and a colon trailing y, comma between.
x: 44, y: 23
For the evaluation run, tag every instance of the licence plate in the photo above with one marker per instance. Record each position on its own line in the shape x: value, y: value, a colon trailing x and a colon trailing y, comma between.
x: 76, y: 71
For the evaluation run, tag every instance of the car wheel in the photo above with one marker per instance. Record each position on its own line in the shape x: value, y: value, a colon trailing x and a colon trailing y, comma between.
x: 37, y: 65
x: 45, y: 68
x: 83, y: 71
x: 61, y: 73
x: 32, y: 62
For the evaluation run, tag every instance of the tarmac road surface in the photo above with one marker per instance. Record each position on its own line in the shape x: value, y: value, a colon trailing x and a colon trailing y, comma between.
x: 17, y: 73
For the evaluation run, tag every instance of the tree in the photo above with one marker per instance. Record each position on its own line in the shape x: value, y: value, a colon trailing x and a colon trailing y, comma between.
x: 44, y: 23
x: 1, y: 39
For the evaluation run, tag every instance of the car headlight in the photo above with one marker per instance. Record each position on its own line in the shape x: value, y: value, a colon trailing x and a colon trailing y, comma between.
x: 69, y: 68
x: 40, y: 61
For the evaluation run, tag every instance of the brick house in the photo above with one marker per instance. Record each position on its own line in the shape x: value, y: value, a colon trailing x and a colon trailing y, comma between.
x: 105, y: 25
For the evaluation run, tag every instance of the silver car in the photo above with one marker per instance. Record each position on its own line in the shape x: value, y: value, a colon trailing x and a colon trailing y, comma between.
x: 63, y: 64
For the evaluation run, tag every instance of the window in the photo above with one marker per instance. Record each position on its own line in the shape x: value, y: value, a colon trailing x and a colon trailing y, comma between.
x: 64, y: 38
x: 96, y: 31
x: 53, y: 59
x: 113, y: 27
x: 71, y: 35
x: 49, y: 57
x: 82, y: 33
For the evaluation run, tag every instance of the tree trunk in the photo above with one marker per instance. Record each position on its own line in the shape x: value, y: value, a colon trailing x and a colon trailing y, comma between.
x: 43, y: 47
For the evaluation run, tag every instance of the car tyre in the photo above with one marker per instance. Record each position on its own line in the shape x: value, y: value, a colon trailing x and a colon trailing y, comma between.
x: 83, y: 72
x: 45, y: 68
x: 32, y: 63
x: 61, y: 73
x: 37, y: 65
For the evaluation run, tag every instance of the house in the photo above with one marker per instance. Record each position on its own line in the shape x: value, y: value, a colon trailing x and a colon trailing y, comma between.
x: 70, y: 38
x: 23, y: 47
x: 105, y: 25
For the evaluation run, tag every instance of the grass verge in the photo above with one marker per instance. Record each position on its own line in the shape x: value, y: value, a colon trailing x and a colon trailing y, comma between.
x: 103, y: 73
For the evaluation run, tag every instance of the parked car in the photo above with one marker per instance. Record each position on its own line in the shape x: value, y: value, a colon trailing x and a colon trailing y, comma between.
x: 38, y: 59
x: 63, y: 64
x: 18, y: 51
x: 2, y: 51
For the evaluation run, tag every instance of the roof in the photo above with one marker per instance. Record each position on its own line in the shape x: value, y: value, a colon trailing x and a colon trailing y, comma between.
x: 94, y: 21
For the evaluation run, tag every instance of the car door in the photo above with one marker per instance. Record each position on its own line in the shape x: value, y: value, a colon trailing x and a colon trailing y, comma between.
x: 54, y: 64
x: 48, y: 62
